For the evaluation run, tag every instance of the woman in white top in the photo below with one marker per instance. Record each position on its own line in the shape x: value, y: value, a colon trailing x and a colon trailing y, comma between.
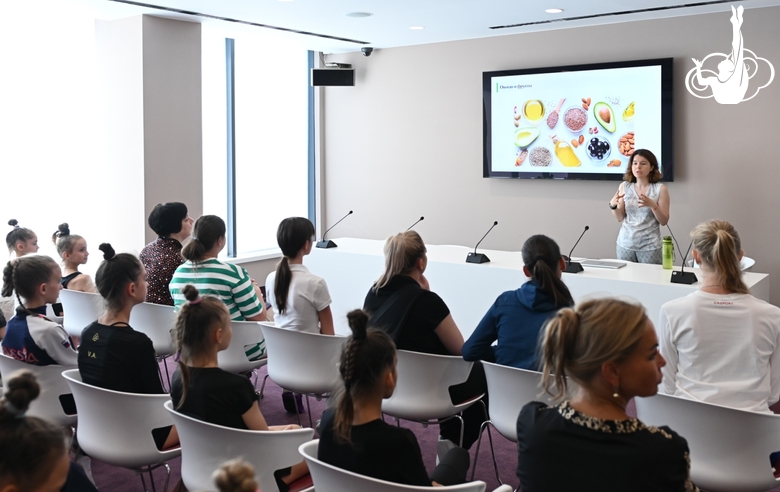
x: 301, y: 300
x: 721, y: 344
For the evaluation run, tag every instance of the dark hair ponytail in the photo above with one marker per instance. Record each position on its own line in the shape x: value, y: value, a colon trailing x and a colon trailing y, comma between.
x: 17, y: 234
x: 542, y: 256
x: 195, y: 320
x: 24, y: 275
x: 292, y: 235
x: 113, y: 275
x: 205, y: 234
x: 364, y: 358
x: 29, y: 446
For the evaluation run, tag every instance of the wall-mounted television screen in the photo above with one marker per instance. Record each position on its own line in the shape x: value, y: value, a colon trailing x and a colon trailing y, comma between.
x: 577, y: 122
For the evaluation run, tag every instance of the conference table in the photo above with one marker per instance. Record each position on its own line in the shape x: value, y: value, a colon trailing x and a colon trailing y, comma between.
x: 470, y: 289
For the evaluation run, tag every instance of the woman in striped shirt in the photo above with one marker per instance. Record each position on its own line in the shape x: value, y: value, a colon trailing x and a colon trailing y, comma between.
x: 230, y: 283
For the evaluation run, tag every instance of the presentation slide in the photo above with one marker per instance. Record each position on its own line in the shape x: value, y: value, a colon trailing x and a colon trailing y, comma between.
x: 574, y: 122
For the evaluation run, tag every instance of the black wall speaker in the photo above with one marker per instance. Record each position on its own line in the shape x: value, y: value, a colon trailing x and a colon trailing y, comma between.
x: 330, y: 77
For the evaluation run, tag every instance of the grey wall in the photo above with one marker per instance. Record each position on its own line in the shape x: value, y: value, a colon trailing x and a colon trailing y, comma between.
x: 407, y: 141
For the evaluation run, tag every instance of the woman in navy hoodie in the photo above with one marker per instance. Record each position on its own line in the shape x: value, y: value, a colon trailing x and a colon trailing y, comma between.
x: 517, y: 316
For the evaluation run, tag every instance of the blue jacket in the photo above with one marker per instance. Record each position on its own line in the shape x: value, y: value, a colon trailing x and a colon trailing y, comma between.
x: 515, y: 320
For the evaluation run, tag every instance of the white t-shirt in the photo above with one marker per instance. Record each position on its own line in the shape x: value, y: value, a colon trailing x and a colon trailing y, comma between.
x: 308, y: 295
x: 722, y: 349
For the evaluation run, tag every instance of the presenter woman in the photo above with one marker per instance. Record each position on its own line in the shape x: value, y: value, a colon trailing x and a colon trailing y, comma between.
x: 641, y: 205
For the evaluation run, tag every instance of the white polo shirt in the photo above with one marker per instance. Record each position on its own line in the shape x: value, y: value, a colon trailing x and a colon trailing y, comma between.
x: 308, y: 295
x: 722, y: 349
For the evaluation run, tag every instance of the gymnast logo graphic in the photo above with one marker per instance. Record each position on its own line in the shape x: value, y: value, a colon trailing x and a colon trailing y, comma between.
x: 735, y: 71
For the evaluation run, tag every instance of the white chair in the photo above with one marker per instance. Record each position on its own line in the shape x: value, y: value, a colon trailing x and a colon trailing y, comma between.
x: 80, y: 309
x: 328, y: 478
x: 234, y: 359
x: 729, y: 448
x: 422, y: 389
x: 305, y: 363
x: 156, y: 321
x: 205, y: 447
x: 746, y: 264
x: 54, y: 390
x: 509, y: 389
x: 116, y: 427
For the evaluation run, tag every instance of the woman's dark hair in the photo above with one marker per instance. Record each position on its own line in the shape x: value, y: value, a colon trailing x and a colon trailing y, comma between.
x: 166, y: 218
x: 64, y: 240
x: 17, y: 234
x: 719, y: 247
x: 292, y: 234
x: 29, y: 446
x: 364, y: 358
x: 23, y: 276
x: 205, y: 234
x: 542, y: 257
x: 195, y: 320
x: 655, y: 173
x: 113, y: 275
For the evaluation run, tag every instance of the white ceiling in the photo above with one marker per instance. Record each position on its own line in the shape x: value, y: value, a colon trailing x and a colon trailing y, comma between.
x: 389, y: 26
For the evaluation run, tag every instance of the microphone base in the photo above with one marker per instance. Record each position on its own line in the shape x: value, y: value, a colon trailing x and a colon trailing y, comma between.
x: 477, y: 258
x: 686, y: 278
x: 574, y: 267
x: 326, y: 243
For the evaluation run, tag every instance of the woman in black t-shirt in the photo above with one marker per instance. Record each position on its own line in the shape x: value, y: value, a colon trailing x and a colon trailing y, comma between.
x: 202, y: 390
x: 353, y: 436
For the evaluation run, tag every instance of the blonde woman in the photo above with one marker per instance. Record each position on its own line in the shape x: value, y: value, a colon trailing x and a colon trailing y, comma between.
x: 609, y: 348
x: 722, y: 344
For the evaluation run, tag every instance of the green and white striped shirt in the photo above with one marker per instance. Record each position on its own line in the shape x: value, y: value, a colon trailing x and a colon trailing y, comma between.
x: 228, y: 282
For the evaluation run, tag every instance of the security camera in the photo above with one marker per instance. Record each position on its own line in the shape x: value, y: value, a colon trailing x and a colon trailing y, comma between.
x: 367, y: 51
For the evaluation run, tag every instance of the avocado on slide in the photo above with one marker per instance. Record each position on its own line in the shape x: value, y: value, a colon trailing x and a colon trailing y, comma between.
x: 526, y: 136
x: 605, y: 116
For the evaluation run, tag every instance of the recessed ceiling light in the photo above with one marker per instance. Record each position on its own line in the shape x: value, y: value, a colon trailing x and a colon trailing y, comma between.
x: 417, y: 28
x: 554, y: 11
x: 359, y: 14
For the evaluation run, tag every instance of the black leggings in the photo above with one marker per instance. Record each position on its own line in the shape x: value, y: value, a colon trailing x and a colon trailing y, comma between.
x: 452, y: 469
x: 473, y: 416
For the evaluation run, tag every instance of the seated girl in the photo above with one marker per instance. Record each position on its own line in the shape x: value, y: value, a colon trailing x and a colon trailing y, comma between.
x: 517, y: 316
x: 33, y: 454
x: 30, y: 336
x: 722, y: 344
x: 609, y: 348
x: 353, y: 436
x: 201, y: 389
x: 73, y: 251
x: 301, y: 301
x: 226, y: 281
x: 20, y: 240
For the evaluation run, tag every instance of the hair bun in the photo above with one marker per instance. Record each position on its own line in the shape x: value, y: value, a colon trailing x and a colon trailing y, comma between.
x: 13, y: 222
x: 20, y: 389
x: 108, y: 251
x: 358, y: 323
x: 235, y: 476
x: 190, y: 292
x: 64, y: 229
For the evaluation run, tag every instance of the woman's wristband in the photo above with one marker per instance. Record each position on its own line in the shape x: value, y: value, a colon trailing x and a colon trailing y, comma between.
x: 613, y: 207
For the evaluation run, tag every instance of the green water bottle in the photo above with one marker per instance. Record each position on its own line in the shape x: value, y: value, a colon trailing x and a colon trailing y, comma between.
x: 668, y: 253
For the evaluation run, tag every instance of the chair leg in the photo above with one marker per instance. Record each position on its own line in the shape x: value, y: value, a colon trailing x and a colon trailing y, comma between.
x: 462, y: 429
x: 167, y: 374
x: 308, y: 410
x: 151, y: 479
x: 479, y: 443
x: 297, y: 413
x: 262, y: 388
x: 167, y: 476
x: 141, y: 474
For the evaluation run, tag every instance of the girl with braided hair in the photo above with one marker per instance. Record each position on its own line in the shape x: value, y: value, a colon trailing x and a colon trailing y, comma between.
x: 517, y: 316
x: 204, y: 391
x: 353, y: 435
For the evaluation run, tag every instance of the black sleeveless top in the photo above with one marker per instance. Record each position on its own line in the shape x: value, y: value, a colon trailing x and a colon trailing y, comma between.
x: 67, y: 278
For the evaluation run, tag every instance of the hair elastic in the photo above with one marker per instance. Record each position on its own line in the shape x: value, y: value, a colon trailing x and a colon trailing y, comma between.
x: 195, y: 239
x: 195, y: 301
x: 11, y: 408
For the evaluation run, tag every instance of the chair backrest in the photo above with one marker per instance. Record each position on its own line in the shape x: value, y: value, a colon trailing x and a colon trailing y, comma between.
x: 302, y: 362
x: 233, y: 358
x: 729, y: 448
x: 54, y: 390
x: 509, y: 389
x: 116, y: 427
x: 80, y: 309
x: 746, y: 264
x: 328, y: 478
x: 157, y: 321
x: 205, y: 447
x: 422, y: 389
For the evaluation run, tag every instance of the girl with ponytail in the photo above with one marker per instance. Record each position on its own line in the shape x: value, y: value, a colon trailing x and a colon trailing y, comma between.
x: 301, y: 301
x: 201, y: 389
x: 72, y: 249
x: 517, y: 316
x: 721, y: 343
x: 20, y: 241
x: 609, y: 349
x: 353, y: 435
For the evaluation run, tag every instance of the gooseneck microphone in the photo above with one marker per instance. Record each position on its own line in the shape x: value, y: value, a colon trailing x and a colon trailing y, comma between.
x: 682, y: 277
x: 573, y: 266
x: 474, y: 257
x: 420, y: 220
x: 328, y: 243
